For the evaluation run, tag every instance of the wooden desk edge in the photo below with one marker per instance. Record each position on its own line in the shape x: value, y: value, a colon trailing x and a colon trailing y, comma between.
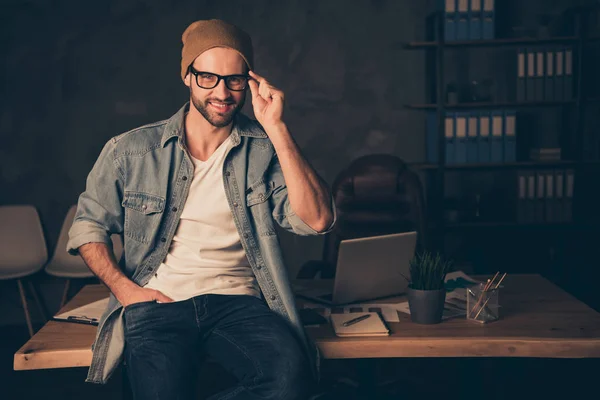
x: 30, y: 358
x: 375, y: 348
x: 51, y: 360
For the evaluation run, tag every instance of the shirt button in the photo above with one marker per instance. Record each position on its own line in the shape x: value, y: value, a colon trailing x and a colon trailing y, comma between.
x: 227, y: 173
x: 184, y: 178
x: 245, y: 235
x: 144, y: 207
x: 272, y: 297
x: 163, y: 240
x: 174, y: 209
x: 258, y: 266
x: 235, y: 204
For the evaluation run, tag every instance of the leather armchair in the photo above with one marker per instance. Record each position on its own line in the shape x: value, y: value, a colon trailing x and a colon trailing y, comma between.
x: 375, y: 195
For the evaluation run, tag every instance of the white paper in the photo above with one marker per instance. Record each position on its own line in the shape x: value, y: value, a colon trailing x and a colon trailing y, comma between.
x: 92, y: 311
x: 456, y: 301
x: 389, y: 311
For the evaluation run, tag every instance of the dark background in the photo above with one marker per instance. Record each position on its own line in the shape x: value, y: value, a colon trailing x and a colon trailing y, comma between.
x: 75, y: 73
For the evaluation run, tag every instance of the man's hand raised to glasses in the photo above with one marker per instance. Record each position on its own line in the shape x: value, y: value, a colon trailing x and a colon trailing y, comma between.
x: 267, y: 101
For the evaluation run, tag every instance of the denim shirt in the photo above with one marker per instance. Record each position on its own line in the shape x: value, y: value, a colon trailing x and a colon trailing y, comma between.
x: 138, y: 187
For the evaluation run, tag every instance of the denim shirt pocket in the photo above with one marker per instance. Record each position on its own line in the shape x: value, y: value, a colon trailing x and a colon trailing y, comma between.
x: 143, y: 212
x: 257, y: 196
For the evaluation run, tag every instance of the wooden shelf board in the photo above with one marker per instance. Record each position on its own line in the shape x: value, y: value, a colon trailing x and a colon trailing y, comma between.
x: 495, y: 42
x: 518, y: 225
x: 508, y: 104
x: 520, y: 164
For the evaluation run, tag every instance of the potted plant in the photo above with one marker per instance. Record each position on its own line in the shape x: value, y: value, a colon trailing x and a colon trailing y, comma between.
x: 426, y: 291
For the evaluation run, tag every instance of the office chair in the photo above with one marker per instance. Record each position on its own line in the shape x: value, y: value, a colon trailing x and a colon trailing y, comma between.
x: 23, y: 251
x: 64, y: 265
x: 375, y: 195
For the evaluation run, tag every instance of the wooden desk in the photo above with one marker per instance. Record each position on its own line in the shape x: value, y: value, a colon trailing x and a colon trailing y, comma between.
x: 539, y: 320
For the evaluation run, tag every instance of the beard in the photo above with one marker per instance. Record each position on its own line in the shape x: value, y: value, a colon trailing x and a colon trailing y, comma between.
x: 214, y: 117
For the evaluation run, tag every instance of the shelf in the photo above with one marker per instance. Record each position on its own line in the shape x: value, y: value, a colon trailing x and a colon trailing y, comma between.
x: 507, y: 42
x: 512, y: 165
x: 510, y: 104
x: 517, y: 225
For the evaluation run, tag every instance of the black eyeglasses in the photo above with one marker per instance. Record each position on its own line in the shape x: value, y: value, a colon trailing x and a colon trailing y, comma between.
x: 208, y: 80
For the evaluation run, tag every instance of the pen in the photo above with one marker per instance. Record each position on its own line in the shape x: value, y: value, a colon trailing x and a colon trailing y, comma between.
x: 355, y: 320
x: 82, y: 320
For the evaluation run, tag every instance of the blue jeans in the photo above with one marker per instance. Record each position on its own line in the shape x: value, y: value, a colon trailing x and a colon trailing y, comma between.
x: 164, y: 341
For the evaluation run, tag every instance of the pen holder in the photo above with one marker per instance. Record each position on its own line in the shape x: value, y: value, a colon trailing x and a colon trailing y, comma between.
x: 483, y: 306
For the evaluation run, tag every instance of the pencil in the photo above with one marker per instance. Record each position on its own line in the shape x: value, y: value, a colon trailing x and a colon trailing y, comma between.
x: 500, y: 281
x: 493, y: 279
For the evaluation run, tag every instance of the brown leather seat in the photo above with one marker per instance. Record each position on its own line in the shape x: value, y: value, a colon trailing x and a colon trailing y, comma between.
x: 376, y: 195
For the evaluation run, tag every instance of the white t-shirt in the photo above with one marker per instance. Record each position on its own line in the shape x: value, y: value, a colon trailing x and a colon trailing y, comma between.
x: 206, y: 255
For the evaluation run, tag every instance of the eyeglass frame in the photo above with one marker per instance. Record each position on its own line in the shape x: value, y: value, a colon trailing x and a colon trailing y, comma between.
x: 195, y: 72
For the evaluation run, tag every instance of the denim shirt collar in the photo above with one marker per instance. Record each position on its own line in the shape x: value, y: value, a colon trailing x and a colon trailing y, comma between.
x: 241, y: 127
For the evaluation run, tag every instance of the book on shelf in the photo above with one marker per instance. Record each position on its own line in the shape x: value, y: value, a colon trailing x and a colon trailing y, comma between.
x: 545, y: 154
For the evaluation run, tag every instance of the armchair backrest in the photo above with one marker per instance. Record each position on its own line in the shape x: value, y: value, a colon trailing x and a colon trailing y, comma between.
x: 376, y: 195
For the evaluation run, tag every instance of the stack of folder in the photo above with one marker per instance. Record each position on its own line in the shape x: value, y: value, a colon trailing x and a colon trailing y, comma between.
x: 545, y: 73
x: 545, y: 154
x: 474, y: 137
x: 468, y: 19
x: 545, y: 196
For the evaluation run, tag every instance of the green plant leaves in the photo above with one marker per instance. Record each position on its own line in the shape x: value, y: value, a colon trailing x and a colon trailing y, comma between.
x: 428, y: 271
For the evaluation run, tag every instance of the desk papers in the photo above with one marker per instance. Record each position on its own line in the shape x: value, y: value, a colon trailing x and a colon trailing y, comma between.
x: 87, y: 314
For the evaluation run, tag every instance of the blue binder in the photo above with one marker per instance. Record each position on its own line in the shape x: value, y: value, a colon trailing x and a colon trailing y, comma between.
x: 449, y: 7
x: 521, y: 83
x: 497, y: 137
x: 472, y: 137
x: 475, y: 23
x: 462, y: 28
x: 549, y: 77
x: 530, y: 79
x: 489, y: 17
x: 568, y: 95
x: 460, y: 143
x: 510, y: 136
x: 449, y: 131
x: 559, y: 75
x: 540, y: 74
x: 450, y: 29
x: 462, y: 22
x: 484, y: 138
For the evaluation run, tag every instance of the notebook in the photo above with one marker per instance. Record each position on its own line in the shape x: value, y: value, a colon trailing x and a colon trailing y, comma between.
x: 372, y: 326
x: 88, y: 314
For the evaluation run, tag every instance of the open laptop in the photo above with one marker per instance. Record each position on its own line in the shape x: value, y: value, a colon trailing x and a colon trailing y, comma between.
x: 368, y: 268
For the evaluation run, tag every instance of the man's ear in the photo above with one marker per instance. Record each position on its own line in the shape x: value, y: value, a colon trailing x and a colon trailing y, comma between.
x: 187, y: 80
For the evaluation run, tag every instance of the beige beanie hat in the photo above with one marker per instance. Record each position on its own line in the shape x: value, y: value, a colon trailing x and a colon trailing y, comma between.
x: 206, y: 34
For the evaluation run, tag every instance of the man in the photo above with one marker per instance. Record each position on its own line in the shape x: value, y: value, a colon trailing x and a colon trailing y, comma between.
x: 196, y: 198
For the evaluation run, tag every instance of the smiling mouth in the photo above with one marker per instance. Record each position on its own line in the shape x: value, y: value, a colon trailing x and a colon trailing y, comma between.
x: 221, y: 107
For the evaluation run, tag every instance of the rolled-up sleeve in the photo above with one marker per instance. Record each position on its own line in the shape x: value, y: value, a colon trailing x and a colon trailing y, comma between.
x: 282, y: 210
x: 99, y: 210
